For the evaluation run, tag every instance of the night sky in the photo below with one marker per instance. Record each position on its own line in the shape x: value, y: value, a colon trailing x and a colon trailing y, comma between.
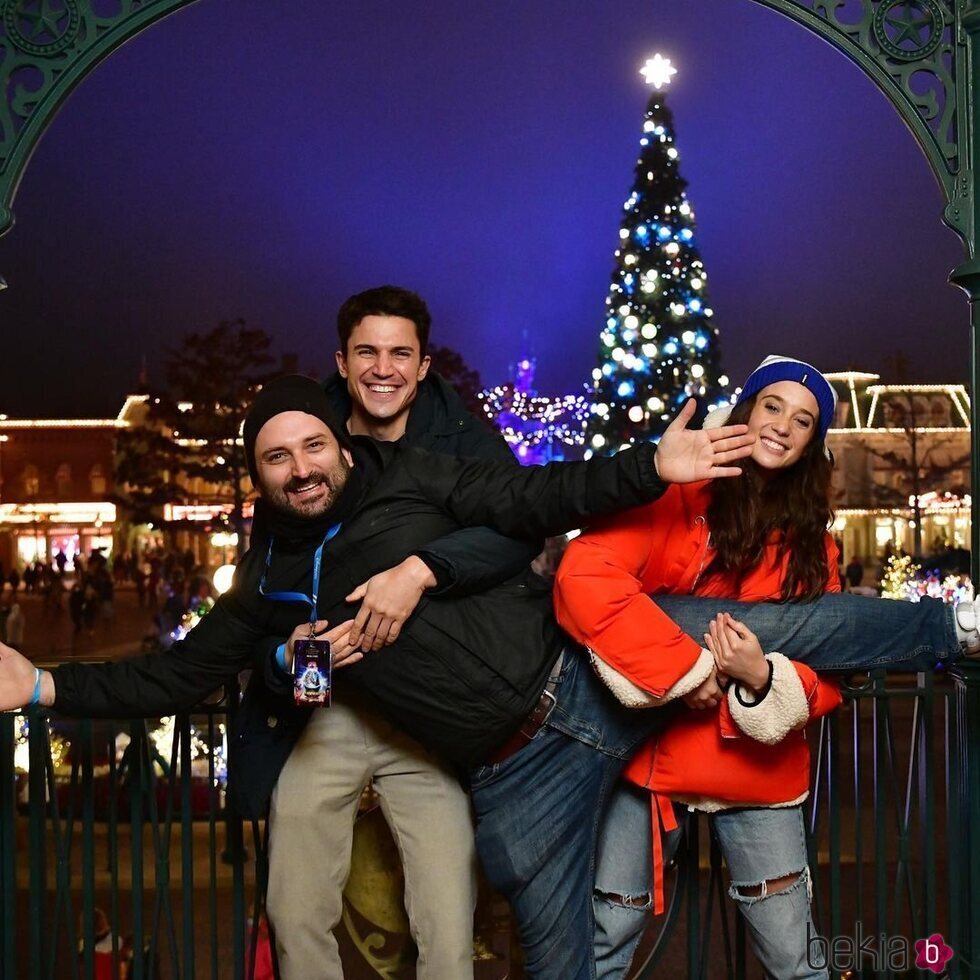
x: 266, y: 158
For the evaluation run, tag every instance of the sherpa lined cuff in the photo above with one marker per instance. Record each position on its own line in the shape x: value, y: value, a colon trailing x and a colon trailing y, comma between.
x: 631, y: 696
x: 781, y: 709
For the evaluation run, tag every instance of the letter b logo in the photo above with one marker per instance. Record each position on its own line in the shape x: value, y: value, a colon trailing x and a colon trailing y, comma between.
x: 932, y: 953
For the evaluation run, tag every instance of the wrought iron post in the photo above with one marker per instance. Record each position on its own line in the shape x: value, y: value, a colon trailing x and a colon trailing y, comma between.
x: 964, y: 845
x: 967, y: 275
x: 967, y: 676
x: 937, y: 42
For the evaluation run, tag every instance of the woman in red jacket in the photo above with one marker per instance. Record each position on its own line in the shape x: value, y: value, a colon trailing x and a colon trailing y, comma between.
x: 740, y: 754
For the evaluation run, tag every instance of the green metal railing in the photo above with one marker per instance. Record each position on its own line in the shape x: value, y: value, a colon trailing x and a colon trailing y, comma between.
x: 890, y: 820
x: 147, y: 837
x: 140, y: 835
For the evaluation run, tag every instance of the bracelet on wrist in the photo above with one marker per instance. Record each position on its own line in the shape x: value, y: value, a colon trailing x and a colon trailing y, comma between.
x: 36, y: 696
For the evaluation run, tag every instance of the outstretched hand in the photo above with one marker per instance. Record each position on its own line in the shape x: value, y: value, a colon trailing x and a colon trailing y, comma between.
x: 686, y: 455
x: 16, y: 679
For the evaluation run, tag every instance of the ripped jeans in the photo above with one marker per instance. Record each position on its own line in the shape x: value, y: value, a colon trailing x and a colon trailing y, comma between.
x: 759, y: 845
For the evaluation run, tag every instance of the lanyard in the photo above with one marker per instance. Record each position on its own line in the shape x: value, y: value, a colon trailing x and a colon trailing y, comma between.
x: 310, y: 600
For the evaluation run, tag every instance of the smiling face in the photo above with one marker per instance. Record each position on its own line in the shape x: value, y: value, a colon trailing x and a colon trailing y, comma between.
x: 783, y: 421
x: 383, y: 365
x: 300, y: 467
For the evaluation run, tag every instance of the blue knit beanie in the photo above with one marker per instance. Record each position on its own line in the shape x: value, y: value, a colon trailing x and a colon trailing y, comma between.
x: 777, y: 368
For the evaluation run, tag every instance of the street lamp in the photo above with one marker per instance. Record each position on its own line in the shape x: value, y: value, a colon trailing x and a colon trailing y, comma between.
x: 222, y: 578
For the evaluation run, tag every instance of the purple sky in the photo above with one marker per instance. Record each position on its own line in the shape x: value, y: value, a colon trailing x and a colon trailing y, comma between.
x: 266, y: 158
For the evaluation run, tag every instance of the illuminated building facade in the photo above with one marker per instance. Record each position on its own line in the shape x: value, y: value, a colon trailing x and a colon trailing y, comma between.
x: 902, y: 467
x: 58, y: 492
x: 537, y: 429
x: 55, y: 488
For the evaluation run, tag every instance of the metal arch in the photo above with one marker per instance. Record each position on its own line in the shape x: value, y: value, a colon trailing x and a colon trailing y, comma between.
x: 894, y: 41
x: 46, y: 48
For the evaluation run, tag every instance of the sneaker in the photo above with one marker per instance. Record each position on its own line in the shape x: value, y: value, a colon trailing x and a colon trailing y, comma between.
x: 967, y: 633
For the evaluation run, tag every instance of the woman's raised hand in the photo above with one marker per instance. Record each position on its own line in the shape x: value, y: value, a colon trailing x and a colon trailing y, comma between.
x: 686, y: 455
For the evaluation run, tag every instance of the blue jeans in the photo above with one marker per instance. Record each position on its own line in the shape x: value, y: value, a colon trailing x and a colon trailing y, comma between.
x: 624, y: 862
x: 759, y: 844
x: 762, y: 845
x: 538, y: 811
x: 537, y: 818
x: 837, y: 632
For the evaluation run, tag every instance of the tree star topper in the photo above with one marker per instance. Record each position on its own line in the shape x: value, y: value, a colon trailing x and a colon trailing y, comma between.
x: 657, y: 71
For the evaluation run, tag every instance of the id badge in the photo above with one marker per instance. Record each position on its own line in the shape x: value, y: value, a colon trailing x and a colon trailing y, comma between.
x: 312, y: 671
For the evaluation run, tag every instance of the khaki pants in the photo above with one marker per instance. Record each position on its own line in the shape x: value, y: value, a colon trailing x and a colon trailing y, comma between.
x: 342, y: 749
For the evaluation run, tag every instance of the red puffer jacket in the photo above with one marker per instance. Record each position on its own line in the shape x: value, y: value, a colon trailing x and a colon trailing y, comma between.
x: 737, y: 754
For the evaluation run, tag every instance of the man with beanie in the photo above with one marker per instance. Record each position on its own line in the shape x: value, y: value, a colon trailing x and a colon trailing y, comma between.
x: 383, y: 390
x: 485, y: 680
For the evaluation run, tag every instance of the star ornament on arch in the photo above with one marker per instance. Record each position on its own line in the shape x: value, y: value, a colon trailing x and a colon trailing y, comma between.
x: 909, y: 26
x: 658, y: 71
x: 46, y: 21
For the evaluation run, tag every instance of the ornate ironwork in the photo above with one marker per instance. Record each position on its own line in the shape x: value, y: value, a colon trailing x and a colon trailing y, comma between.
x: 915, y: 52
x: 46, y: 48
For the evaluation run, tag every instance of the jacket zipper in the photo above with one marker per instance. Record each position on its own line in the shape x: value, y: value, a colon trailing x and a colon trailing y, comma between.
x: 694, y: 584
x: 704, y: 554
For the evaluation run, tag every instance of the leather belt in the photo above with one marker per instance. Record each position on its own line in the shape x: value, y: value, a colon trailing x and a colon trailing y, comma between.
x: 537, y: 716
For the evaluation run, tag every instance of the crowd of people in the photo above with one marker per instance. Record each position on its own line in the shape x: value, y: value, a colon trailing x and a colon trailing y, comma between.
x: 38, y: 577
x: 167, y: 583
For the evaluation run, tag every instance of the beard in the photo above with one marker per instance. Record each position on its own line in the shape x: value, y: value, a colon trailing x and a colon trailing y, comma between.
x: 284, y: 498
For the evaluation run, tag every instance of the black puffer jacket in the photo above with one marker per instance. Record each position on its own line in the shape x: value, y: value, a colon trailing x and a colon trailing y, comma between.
x: 473, y: 558
x: 464, y: 672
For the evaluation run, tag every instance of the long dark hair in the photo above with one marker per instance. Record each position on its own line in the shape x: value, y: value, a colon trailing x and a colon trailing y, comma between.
x: 746, y: 510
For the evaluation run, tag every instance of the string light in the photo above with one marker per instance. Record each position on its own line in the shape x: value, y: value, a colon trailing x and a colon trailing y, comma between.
x: 539, y: 428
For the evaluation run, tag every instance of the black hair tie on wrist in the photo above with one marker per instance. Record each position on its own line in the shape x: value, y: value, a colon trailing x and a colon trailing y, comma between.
x: 760, y: 696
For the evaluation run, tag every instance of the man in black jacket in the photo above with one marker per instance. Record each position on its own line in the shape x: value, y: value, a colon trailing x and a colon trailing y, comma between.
x: 384, y: 390
x: 469, y: 676
x: 384, y: 387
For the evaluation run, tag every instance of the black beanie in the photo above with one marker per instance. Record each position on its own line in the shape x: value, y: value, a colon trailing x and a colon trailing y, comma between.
x: 290, y: 393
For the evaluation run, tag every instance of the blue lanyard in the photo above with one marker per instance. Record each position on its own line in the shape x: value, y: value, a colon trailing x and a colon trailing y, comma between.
x: 310, y: 600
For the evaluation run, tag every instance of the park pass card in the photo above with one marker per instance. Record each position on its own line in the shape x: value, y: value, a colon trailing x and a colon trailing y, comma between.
x: 312, y: 672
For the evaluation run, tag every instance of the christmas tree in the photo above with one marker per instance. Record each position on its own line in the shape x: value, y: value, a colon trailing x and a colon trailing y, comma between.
x: 659, y: 345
